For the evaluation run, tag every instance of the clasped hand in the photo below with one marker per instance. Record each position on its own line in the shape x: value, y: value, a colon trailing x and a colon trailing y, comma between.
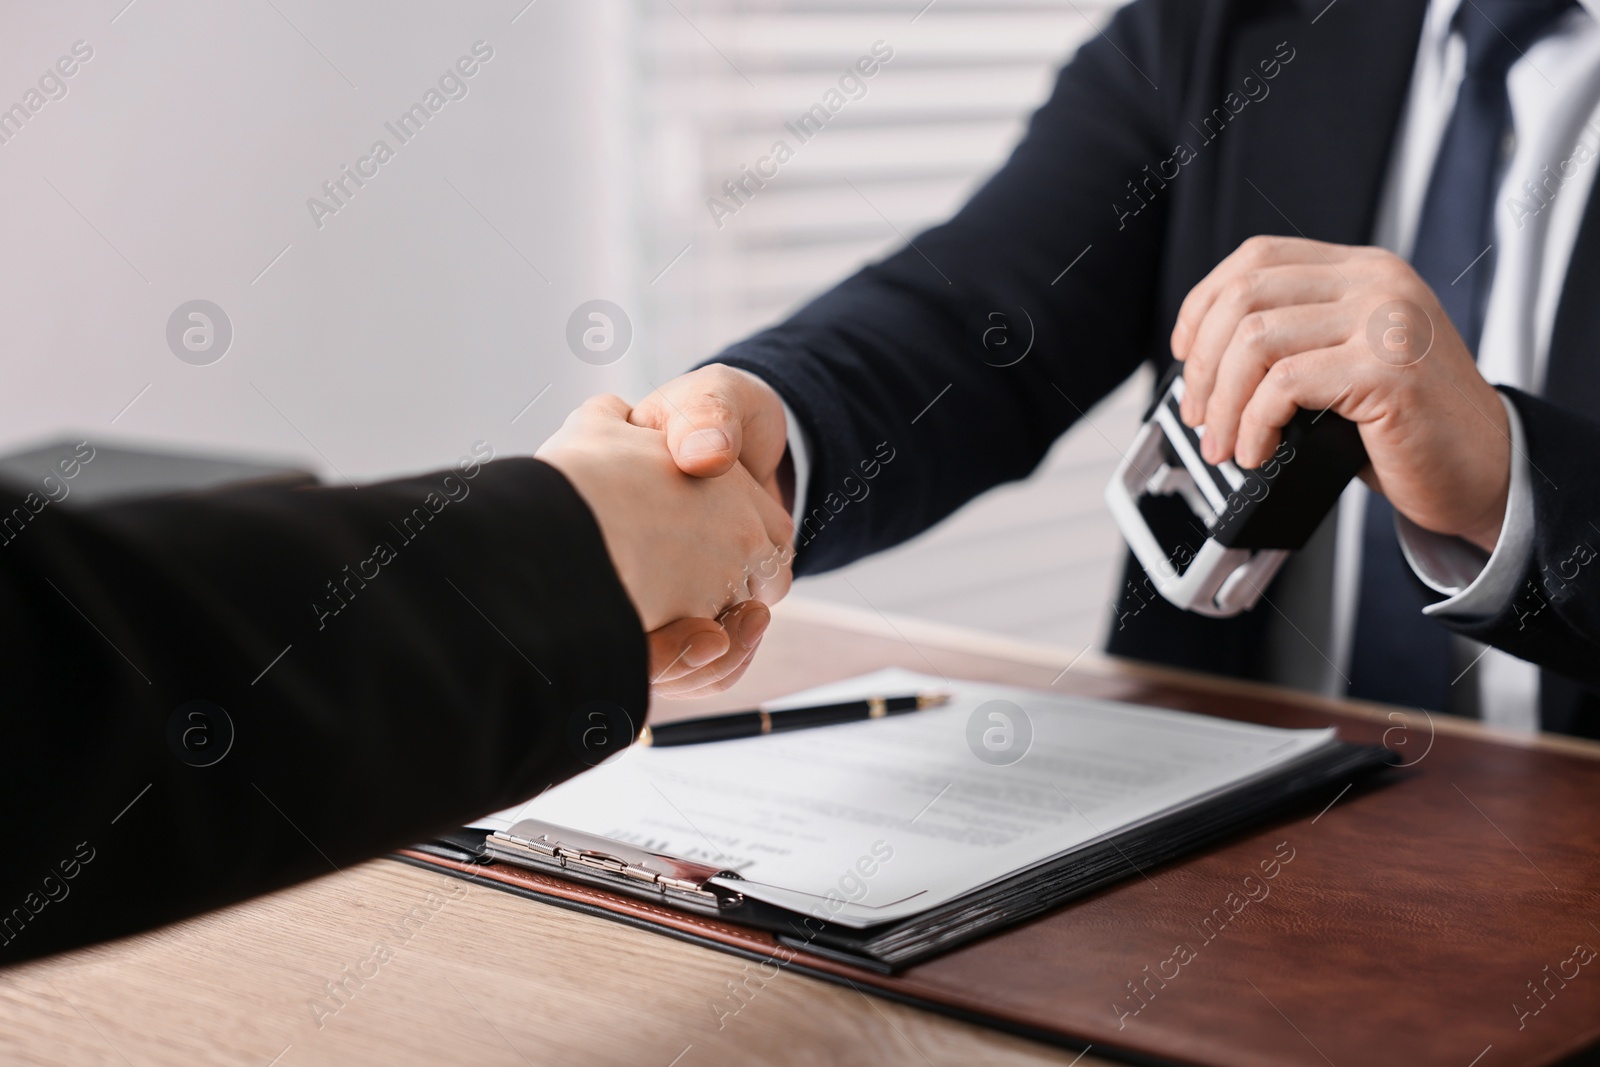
x: 691, y: 487
x: 700, y: 557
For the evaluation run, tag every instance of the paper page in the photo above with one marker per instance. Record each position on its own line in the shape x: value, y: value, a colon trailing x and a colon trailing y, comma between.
x: 878, y: 820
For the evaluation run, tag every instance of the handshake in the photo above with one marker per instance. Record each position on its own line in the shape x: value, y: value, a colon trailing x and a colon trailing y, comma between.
x: 692, y: 495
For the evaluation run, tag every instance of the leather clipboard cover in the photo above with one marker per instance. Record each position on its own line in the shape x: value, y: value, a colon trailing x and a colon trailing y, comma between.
x: 892, y: 946
x: 1422, y: 921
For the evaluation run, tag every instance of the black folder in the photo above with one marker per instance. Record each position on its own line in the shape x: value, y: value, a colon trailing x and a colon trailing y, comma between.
x: 688, y: 885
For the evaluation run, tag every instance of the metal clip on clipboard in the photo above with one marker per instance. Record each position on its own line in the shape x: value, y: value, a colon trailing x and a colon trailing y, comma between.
x: 1210, y: 538
x: 612, y: 865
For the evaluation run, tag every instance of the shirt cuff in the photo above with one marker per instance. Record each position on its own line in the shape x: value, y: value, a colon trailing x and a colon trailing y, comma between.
x: 1474, y: 582
x: 800, y: 455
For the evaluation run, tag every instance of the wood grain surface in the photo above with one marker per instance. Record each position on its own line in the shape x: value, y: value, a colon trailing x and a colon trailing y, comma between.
x: 385, y: 963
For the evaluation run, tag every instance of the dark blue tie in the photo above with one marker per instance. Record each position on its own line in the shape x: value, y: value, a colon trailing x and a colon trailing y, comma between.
x: 1400, y: 655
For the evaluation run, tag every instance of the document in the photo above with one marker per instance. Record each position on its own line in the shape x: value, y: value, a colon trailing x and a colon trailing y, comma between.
x: 882, y: 819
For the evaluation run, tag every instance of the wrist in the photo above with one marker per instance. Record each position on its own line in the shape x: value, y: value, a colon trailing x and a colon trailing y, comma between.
x: 1493, y: 474
x: 1487, y: 535
x: 581, y: 472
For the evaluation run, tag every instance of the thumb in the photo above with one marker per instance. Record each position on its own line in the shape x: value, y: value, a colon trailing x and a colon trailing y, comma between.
x: 705, y: 432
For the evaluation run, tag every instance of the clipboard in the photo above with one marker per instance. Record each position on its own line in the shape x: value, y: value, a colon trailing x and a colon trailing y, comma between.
x: 678, y: 884
x: 1338, y: 946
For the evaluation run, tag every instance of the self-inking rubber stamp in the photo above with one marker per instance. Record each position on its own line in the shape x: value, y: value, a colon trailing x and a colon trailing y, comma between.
x: 1211, y: 537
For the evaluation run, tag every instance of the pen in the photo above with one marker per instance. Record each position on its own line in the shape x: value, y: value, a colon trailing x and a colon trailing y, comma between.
x: 760, y: 721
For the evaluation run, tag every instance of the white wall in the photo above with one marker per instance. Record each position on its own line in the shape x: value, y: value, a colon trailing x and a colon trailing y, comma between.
x: 179, y: 162
x: 407, y: 326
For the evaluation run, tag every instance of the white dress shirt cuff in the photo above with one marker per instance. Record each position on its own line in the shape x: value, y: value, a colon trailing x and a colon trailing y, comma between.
x: 1476, y: 583
x: 800, y: 454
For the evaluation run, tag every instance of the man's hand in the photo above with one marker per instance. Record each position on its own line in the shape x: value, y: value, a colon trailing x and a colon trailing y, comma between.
x: 717, y: 416
x: 685, y: 548
x: 1285, y: 323
x: 699, y: 657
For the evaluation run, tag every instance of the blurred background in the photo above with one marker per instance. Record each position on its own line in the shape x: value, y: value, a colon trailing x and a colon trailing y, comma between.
x: 371, y: 313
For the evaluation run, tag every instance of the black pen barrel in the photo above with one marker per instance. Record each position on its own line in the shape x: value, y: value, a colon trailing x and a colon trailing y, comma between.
x: 715, y: 728
x: 826, y: 715
x: 754, y: 723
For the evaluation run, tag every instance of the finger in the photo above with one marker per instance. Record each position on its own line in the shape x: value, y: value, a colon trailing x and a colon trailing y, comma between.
x: 1328, y: 379
x: 718, y: 684
x: 681, y: 647
x: 772, y: 572
x: 776, y: 519
x: 1254, y: 254
x: 1260, y: 340
x: 708, y: 682
x: 1245, y: 293
x: 745, y: 623
x: 703, y: 417
x: 769, y: 570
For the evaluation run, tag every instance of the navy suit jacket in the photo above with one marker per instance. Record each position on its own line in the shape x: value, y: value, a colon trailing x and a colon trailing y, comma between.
x: 1182, y: 130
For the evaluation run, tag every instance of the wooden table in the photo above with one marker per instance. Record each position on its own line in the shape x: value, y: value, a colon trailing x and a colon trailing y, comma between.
x: 490, y: 978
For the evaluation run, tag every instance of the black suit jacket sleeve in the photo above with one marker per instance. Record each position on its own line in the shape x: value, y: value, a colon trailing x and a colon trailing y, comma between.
x: 1554, y: 618
x: 394, y: 660
x: 909, y: 358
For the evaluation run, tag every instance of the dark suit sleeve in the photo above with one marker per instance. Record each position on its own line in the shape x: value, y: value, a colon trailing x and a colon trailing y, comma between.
x: 1554, y: 618
x: 907, y: 360
x: 394, y: 661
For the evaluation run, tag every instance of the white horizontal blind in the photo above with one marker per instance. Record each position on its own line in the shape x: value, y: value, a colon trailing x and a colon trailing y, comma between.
x: 724, y: 83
